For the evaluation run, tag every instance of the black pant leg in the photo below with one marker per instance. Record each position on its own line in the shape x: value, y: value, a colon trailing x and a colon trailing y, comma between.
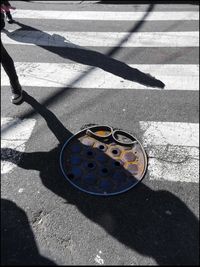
x: 9, y: 66
x: 8, y: 15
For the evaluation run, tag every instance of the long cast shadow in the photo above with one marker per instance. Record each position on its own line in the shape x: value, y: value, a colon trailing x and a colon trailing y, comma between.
x: 60, y: 92
x: 81, y: 55
x: 156, y: 224
x: 18, y: 245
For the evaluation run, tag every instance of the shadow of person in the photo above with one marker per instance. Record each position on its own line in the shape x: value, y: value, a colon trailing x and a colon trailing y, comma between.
x: 156, y: 224
x: 64, y: 48
x: 18, y: 246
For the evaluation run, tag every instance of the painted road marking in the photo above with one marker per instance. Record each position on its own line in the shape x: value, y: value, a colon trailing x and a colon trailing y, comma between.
x: 15, y: 137
x: 173, y: 150
x: 104, y: 15
x: 103, y: 39
x: 172, y: 147
x: 174, y: 76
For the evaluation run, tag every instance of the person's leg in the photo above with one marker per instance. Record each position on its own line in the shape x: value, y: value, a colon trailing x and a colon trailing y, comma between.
x: 9, y: 68
x: 9, y: 17
x: 2, y: 21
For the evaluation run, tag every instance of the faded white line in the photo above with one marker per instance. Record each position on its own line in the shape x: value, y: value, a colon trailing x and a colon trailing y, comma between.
x: 173, y: 150
x: 98, y: 259
x: 103, y: 39
x: 104, y: 15
x: 170, y: 133
x: 14, y: 135
x: 175, y: 77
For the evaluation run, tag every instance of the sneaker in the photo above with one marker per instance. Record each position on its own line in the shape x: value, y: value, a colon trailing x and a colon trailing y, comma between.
x: 10, y: 21
x: 16, y: 98
x: 16, y: 94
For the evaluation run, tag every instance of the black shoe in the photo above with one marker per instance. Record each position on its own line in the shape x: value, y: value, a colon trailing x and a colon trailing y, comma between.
x: 17, y: 93
x: 16, y: 98
x: 10, y: 21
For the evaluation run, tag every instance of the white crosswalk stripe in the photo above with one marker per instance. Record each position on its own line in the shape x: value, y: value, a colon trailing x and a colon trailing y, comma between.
x: 14, y: 135
x: 104, y: 15
x: 173, y: 149
x: 51, y: 75
x: 107, y: 39
x: 172, y: 146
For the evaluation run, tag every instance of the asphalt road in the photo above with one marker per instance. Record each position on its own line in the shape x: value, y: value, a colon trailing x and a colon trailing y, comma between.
x: 44, y: 219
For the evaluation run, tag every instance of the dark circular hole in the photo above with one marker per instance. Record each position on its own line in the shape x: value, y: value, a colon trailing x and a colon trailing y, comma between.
x: 114, y: 151
x: 90, y: 165
x: 104, y: 170
x: 70, y: 175
x: 117, y: 163
x: 101, y: 147
x: 89, y: 153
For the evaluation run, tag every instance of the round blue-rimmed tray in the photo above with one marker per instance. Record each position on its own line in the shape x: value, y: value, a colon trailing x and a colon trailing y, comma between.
x: 104, y: 162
